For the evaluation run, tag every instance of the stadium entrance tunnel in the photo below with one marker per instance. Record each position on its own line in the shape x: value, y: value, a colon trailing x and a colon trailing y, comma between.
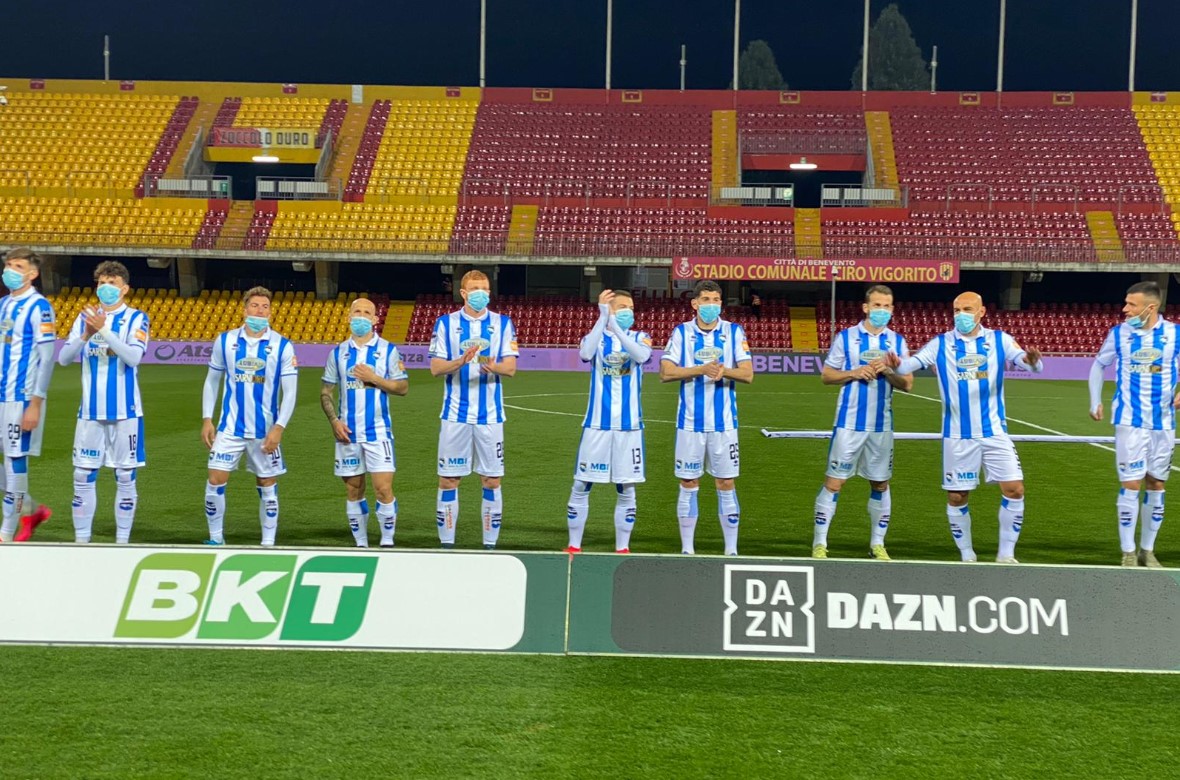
x: 808, y: 184
x: 245, y: 175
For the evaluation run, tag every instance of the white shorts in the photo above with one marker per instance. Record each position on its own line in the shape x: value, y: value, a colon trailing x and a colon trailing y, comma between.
x: 464, y: 445
x: 717, y: 453
x: 865, y: 453
x: 116, y: 444
x: 227, y: 451
x: 18, y: 443
x: 962, y: 459
x: 610, y: 456
x: 1139, y: 452
x: 372, y: 457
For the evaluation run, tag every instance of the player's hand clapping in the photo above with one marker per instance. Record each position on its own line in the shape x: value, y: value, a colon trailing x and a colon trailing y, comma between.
x: 714, y: 370
x: 1032, y: 355
x: 471, y: 353
x: 93, y: 320
x: 892, y: 359
x: 606, y: 296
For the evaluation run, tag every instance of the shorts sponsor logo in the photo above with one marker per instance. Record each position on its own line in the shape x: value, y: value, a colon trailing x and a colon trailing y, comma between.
x: 1133, y: 465
x: 451, y: 462
x: 961, y: 476
x: 246, y: 597
x: 599, y: 468
x: 837, y: 465
x: 769, y: 609
x: 347, y: 463
x: 688, y: 465
x: 86, y: 452
x: 708, y: 354
x: 221, y: 457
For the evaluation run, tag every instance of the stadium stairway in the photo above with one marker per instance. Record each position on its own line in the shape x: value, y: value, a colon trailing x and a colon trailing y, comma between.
x: 804, y: 331
x: 809, y: 240
x: 725, y: 156
x: 880, y: 134
x: 203, y: 118
x: 397, y: 321
x: 1105, y: 236
x: 351, y: 131
x: 522, y: 230
x: 236, y: 225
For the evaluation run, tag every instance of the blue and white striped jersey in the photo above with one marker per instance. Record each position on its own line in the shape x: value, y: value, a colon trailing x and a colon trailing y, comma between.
x: 253, y: 370
x: 615, y: 384
x: 26, y: 320
x: 865, y: 406
x: 1145, y: 374
x: 110, y: 387
x: 472, y: 396
x: 365, y: 410
x: 707, y: 406
x: 971, y: 380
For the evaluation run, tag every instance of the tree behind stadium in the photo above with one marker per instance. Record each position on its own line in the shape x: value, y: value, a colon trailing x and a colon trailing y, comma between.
x: 895, y: 61
x: 757, y: 68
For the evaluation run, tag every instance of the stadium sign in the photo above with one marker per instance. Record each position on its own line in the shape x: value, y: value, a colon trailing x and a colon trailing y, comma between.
x: 800, y: 269
x: 264, y: 137
x: 992, y: 615
x: 283, y: 598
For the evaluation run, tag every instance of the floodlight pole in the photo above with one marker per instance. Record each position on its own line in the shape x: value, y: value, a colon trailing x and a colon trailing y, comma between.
x: 864, y: 54
x: 483, y: 43
x: 737, y: 18
x: 1134, y: 36
x: 683, y: 63
x: 934, y: 70
x: 106, y: 58
x: 1000, y: 51
x: 610, y: 10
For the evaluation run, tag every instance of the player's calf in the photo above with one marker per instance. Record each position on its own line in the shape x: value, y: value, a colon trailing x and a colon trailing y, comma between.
x: 83, y: 505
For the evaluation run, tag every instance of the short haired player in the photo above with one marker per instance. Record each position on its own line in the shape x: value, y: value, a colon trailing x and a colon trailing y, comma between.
x: 474, y: 349
x: 1145, y: 348
x: 255, y: 369
x: 708, y: 356
x: 110, y: 338
x: 611, y: 449
x: 862, y: 436
x: 971, y: 361
x: 27, y: 331
x: 365, y: 369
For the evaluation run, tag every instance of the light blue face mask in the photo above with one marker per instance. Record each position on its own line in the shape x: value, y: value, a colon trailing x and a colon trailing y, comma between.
x: 879, y: 318
x: 1138, y: 320
x: 964, y: 322
x: 478, y: 299
x: 709, y: 312
x: 624, y: 318
x: 13, y: 280
x: 257, y: 324
x: 360, y: 326
x: 108, y: 294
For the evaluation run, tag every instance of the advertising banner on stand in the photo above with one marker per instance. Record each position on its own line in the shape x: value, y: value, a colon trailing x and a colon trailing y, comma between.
x: 808, y: 269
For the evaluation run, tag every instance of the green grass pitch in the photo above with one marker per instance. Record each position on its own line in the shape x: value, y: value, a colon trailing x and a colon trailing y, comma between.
x: 72, y: 712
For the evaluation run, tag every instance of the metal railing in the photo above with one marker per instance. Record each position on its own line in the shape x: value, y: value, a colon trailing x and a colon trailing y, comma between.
x: 753, y: 195
x: 194, y: 161
x: 159, y: 186
x: 856, y: 195
x: 324, y: 164
x: 803, y: 142
x: 288, y: 188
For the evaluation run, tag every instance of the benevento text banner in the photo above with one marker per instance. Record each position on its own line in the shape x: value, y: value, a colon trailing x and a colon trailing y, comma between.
x: 799, y: 269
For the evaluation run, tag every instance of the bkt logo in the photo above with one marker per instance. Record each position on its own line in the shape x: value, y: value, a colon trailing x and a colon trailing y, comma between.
x: 248, y: 597
x: 768, y: 609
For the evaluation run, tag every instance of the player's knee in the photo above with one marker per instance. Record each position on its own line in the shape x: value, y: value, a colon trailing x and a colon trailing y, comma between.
x: 85, y: 475
x: 626, y: 493
x: 491, y: 483
x: 1014, y: 490
x: 124, y: 476
x: 218, y: 478
x: 691, y: 484
x: 880, y: 487
x: 726, y: 484
x: 1154, y: 484
x: 957, y: 498
x: 833, y: 485
x: 582, y: 487
x: 264, y: 482
x: 1132, y: 484
x: 448, y: 483
x: 384, y: 493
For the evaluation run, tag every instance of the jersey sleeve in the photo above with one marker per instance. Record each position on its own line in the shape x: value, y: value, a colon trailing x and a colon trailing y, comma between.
x: 440, y: 344
x: 837, y: 354
x: 508, y: 345
x: 217, y: 356
x: 77, y: 328
x: 644, y: 338
x: 45, y: 324
x: 137, y: 334
x: 928, y: 354
x: 289, y: 364
x: 674, y: 346
x: 1012, y: 350
x: 741, y: 346
x: 1107, y: 353
x: 331, y: 372
x: 903, y: 348
x: 395, y: 367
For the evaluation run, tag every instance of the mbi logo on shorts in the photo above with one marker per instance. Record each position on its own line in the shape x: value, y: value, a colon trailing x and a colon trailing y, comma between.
x: 347, y: 463
x: 690, y: 465
x: 961, y: 476
x: 221, y: 457
x: 87, y: 453
x: 769, y: 609
x: 1135, y: 464
x: 451, y: 462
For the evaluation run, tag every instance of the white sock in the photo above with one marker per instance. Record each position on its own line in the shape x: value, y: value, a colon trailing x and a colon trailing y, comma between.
x: 1128, y: 506
x: 215, y: 511
x: 730, y: 515
x: 960, y: 520
x: 387, y: 519
x: 126, y: 499
x: 268, y: 513
x: 16, y: 476
x: 492, y: 511
x: 825, y: 511
x: 447, y: 515
x: 1011, y: 519
x: 686, y: 512
x: 1151, y: 518
x: 358, y: 520
x: 624, y: 516
x: 577, y: 511
x: 880, y: 509
x: 85, y: 501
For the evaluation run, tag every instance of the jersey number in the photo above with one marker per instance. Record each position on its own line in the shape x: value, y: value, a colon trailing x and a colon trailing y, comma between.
x: 733, y: 453
x: 636, y: 456
x: 132, y: 441
x: 14, y: 432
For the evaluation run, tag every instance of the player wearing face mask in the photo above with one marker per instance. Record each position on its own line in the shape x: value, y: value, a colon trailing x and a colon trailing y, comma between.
x: 862, y: 436
x: 708, y: 356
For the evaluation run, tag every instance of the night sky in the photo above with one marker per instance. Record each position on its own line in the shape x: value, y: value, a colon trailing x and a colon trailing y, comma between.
x: 1051, y: 44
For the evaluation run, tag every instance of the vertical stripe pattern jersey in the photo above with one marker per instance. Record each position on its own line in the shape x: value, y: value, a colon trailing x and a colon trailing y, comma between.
x: 865, y: 406
x: 706, y: 406
x: 471, y: 395
x: 1145, y: 374
x: 365, y: 410
x: 971, y: 381
x: 110, y: 387
x: 253, y: 371
x: 615, y: 384
x: 25, y: 321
